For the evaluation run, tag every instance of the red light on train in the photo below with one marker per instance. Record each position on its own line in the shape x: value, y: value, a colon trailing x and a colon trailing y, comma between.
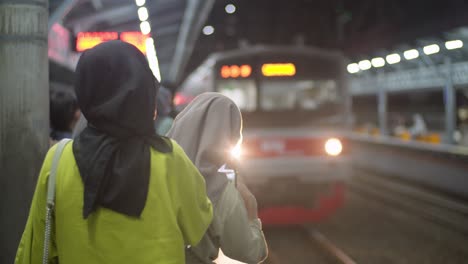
x: 225, y: 72
x: 87, y: 40
x: 245, y: 71
x: 235, y: 71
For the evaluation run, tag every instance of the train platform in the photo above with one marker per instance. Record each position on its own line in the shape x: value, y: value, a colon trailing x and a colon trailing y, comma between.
x: 354, y: 113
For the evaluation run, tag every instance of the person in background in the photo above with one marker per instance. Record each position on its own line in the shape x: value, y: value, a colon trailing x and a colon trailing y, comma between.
x: 123, y: 193
x: 208, y: 129
x: 64, y: 113
x: 418, y: 127
x: 164, y: 108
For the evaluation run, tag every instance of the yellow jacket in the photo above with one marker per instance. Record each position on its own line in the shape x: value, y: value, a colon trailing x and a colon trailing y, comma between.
x: 177, y: 213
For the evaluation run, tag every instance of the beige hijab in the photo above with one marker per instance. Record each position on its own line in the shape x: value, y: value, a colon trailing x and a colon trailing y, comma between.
x: 207, y: 129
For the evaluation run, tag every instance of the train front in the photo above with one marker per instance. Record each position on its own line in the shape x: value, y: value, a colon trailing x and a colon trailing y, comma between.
x: 293, y: 105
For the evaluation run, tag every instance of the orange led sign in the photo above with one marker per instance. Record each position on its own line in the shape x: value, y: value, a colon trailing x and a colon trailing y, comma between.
x: 278, y: 69
x: 87, y: 40
x: 135, y: 38
x: 235, y: 71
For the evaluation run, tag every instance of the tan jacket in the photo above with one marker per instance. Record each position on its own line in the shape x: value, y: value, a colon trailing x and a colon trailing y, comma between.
x: 232, y: 232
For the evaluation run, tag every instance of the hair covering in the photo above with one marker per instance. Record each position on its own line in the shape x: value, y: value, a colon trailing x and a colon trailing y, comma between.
x: 116, y: 92
x: 80, y: 126
x: 207, y: 129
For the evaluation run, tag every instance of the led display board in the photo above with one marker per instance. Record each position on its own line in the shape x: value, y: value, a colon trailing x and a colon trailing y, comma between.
x: 278, y: 69
x: 87, y: 40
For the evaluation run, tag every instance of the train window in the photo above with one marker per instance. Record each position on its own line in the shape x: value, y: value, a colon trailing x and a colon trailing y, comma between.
x: 242, y: 92
x: 280, y: 95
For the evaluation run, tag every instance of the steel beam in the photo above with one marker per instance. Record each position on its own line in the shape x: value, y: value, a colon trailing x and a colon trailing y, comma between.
x: 196, y: 14
x: 61, y: 12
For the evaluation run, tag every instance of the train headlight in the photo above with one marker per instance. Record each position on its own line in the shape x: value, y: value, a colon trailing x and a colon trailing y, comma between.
x: 333, y: 147
x: 236, y: 152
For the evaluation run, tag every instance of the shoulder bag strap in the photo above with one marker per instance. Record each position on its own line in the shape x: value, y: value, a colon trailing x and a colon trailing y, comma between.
x: 51, y: 197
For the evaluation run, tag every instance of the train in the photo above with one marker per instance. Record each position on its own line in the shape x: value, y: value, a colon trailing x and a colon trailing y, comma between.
x: 294, y: 103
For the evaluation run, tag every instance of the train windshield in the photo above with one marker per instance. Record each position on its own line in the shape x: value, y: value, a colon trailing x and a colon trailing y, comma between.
x: 299, y: 95
x: 242, y: 92
x: 280, y: 94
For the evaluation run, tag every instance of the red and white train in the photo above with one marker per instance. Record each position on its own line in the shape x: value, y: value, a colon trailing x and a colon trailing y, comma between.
x: 294, y: 102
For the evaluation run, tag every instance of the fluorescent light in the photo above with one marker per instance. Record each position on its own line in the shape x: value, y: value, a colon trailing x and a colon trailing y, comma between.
x: 431, y: 49
x: 378, y: 62
x: 411, y: 54
x: 353, y: 68
x: 230, y: 8
x: 140, y: 2
x: 365, y: 65
x: 145, y: 27
x: 208, y: 30
x: 152, y: 58
x: 393, y: 58
x: 454, y: 44
x: 143, y: 13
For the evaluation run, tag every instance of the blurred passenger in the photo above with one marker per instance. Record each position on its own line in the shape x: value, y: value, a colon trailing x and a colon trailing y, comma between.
x: 64, y: 113
x: 399, y: 126
x: 419, y: 127
x: 123, y: 193
x: 208, y: 129
x: 164, y: 108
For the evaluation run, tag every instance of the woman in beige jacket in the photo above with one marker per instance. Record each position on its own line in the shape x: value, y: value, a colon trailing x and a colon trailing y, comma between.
x: 207, y: 129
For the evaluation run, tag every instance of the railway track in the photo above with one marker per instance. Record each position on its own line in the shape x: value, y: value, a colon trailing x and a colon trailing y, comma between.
x: 441, y: 210
x: 312, y: 247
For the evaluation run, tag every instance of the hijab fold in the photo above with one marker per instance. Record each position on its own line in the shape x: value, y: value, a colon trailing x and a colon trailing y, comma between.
x: 116, y: 92
x: 207, y: 129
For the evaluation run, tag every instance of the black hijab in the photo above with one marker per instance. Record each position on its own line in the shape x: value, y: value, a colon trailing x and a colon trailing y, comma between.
x: 116, y: 92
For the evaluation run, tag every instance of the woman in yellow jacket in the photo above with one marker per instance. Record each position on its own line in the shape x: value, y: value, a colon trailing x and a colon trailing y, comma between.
x: 123, y: 194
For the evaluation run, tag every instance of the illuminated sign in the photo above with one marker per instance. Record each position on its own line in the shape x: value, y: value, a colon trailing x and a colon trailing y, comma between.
x: 87, y: 40
x: 135, y: 38
x: 278, y: 69
x: 235, y: 71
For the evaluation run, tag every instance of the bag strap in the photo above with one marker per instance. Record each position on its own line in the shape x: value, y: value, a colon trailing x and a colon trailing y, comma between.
x: 53, y: 172
x: 51, y: 197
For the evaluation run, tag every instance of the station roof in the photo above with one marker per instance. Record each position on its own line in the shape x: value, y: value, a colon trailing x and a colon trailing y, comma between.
x: 356, y: 27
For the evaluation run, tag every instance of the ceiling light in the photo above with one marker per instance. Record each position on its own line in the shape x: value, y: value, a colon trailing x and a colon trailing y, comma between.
x: 230, y: 8
x: 393, y: 58
x: 453, y: 44
x: 411, y: 54
x: 208, y: 30
x: 378, y: 62
x: 145, y: 27
x: 431, y: 49
x: 353, y: 68
x: 365, y: 65
x: 140, y: 2
x: 143, y: 13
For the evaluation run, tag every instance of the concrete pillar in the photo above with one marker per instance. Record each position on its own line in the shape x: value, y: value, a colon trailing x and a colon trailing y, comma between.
x: 450, y: 104
x: 24, y: 113
x: 382, y: 105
